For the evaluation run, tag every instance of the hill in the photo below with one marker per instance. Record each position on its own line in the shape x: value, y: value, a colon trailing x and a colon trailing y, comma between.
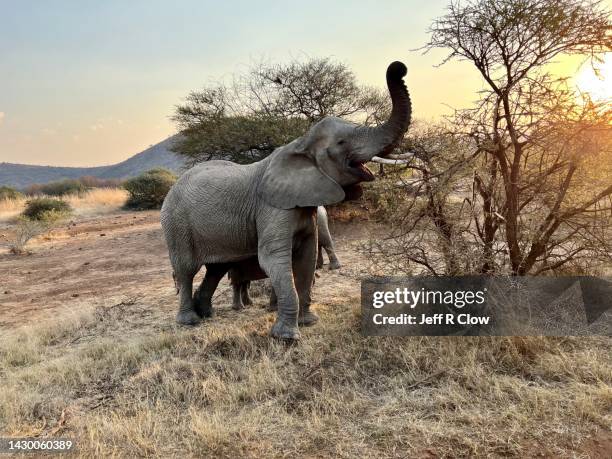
x: 158, y: 155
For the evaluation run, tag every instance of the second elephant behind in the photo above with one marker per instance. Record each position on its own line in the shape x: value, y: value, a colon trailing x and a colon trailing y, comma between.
x: 242, y: 273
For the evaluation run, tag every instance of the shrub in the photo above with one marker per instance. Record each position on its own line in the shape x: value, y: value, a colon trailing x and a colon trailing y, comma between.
x: 148, y: 190
x: 6, y: 192
x: 61, y: 188
x: 28, y: 228
x: 46, y: 208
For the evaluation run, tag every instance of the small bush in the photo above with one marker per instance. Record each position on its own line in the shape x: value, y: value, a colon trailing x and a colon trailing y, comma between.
x: 148, y: 190
x: 28, y: 228
x: 61, y: 188
x: 6, y: 192
x: 44, y: 208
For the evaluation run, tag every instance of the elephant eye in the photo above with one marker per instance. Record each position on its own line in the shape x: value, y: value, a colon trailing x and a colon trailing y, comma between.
x: 341, y: 142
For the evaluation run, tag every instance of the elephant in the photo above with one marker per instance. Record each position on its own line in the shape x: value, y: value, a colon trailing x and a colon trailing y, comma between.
x: 242, y: 273
x: 219, y: 213
x: 325, y: 241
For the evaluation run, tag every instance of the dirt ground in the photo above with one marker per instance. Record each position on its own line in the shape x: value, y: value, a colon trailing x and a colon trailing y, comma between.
x: 118, y: 256
x: 115, y: 376
x: 112, y: 256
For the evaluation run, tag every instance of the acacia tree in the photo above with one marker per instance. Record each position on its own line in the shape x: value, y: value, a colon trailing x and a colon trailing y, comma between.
x: 269, y: 106
x: 542, y: 177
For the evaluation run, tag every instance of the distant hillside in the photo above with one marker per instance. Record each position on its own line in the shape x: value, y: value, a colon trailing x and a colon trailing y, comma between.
x: 159, y: 155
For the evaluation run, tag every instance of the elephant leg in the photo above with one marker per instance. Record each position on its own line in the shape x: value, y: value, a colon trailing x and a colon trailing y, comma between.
x: 334, y: 263
x: 304, y: 263
x: 204, y: 294
x: 319, y: 257
x: 186, y: 314
x: 273, y: 306
x: 244, y: 292
x: 275, y: 258
x: 237, y: 303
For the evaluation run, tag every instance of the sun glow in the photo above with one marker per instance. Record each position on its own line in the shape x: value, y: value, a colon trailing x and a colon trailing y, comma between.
x: 599, y: 87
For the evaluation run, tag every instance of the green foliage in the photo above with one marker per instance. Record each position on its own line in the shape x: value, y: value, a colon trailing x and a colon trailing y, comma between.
x: 60, y: 188
x: 242, y: 139
x: 46, y: 209
x: 6, y: 192
x: 269, y: 106
x: 148, y: 190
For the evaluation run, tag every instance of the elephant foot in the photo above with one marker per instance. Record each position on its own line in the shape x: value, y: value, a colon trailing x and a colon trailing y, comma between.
x: 319, y: 264
x: 237, y: 306
x: 335, y: 265
x: 189, y: 317
x: 308, y: 318
x: 247, y: 302
x: 282, y: 330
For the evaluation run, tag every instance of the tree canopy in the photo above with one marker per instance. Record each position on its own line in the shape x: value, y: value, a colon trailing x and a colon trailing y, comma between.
x: 270, y: 105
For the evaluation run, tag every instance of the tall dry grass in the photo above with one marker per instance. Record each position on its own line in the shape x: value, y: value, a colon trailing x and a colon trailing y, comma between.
x: 92, y: 202
x: 98, y: 201
x: 123, y: 380
x: 11, y: 208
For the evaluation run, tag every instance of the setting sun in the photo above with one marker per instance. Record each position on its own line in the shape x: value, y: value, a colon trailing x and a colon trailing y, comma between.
x: 599, y: 87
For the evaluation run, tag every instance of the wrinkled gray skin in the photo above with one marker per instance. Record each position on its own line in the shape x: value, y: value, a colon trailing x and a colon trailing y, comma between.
x: 242, y: 273
x: 219, y: 212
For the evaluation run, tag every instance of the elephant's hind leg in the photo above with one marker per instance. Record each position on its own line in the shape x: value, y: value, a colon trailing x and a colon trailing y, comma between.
x: 237, y: 303
x: 244, y: 293
x: 204, y: 294
x: 320, y: 257
x: 304, y: 262
x: 334, y: 263
x: 186, y: 314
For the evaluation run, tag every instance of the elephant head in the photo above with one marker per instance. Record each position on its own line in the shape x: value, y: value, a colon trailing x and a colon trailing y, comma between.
x: 313, y: 169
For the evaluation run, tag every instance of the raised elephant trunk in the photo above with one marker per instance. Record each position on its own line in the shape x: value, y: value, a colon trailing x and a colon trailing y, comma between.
x: 381, y: 140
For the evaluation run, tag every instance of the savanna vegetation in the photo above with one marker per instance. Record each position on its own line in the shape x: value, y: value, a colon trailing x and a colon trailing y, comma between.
x: 124, y: 380
x: 270, y: 105
x: 39, y: 216
x: 519, y: 183
x: 148, y: 190
x: 71, y: 186
x: 6, y: 193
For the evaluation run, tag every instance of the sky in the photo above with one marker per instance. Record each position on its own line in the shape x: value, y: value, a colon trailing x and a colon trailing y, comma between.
x: 87, y: 83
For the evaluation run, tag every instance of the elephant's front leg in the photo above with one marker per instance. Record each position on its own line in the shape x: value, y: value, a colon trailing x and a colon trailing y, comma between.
x: 275, y: 258
x: 304, y: 264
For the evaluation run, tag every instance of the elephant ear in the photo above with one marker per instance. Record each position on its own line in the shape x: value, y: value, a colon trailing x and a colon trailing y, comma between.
x: 292, y: 179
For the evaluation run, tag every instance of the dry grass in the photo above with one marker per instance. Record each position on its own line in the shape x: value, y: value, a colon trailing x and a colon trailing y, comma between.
x: 97, y: 201
x: 11, y: 208
x: 124, y: 380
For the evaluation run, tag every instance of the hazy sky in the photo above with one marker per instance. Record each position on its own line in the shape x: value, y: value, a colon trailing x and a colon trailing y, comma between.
x: 86, y: 83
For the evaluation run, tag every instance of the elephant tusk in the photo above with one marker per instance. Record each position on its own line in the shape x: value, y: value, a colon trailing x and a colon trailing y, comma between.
x: 407, y: 155
x: 379, y: 160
